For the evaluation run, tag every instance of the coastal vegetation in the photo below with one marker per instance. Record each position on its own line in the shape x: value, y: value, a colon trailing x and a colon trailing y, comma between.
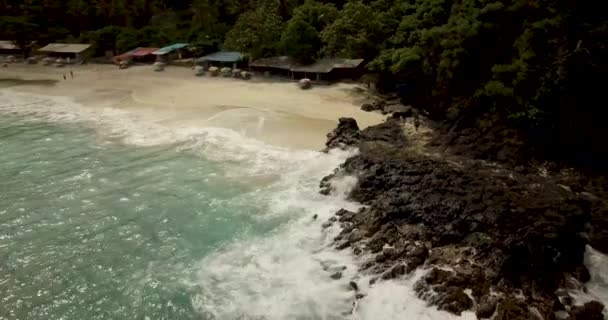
x: 538, y: 66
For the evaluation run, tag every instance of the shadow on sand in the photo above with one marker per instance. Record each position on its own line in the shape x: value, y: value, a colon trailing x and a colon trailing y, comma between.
x: 7, y: 82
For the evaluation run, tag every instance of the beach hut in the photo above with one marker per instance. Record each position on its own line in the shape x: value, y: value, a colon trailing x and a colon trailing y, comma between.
x: 329, y: 69
x: 70, y: 51
x: 222, y: 59
x: 275, y: 65
x: 175, y: 51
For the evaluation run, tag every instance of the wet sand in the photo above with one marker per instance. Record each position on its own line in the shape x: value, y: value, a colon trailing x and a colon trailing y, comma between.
x: 278, y: 113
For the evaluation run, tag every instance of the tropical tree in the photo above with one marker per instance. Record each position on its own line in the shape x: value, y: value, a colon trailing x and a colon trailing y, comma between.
x: 256, y: 32
x: 300, y: 40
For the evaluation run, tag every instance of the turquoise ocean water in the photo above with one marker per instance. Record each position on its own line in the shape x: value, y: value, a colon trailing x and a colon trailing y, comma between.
x: 102, y: 217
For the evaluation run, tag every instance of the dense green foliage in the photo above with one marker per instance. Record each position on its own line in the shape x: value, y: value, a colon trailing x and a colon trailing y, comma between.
x: 536, y: 64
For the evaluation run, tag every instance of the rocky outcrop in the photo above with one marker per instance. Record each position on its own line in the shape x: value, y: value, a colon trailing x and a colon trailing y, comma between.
x: 346, y: 134
x: 505, y: 240
x: 387, y: 107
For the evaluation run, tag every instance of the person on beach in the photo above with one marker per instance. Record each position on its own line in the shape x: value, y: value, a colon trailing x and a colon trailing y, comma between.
x: 416, y: 121
x: 72, y: 74
x: 64, y: 77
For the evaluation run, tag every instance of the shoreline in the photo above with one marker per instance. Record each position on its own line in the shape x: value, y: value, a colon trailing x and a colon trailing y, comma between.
x: 278, y: 113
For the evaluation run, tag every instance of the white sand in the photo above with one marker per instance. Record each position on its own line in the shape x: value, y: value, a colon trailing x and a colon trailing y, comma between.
x: 275, y: 112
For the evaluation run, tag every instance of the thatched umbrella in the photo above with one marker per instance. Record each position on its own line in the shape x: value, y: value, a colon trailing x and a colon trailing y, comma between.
x: 214, y: 71
x: 305, y: 83
x: 246, y: 75
x: 226, y: 72
x: 59, y: 63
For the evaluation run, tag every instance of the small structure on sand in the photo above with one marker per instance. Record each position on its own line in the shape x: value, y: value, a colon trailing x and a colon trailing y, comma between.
x: 59, y: 63
x: 47, y: 61
x: 124, y: 64
x: 305, y: 83
x: 199, y: 71
x: 159, y: 66
x: 68, y: 51
x: 214, y: 71
x: 10, y: 59
x: 226, y: 72
x: 246, y: 75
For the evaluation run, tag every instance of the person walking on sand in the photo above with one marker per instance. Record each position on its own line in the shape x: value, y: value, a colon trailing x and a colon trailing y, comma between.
x: 416, y: 121
x: 72, y: 74
x: 64, y: 77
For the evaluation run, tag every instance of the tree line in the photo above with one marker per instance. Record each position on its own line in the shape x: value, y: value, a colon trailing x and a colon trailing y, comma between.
x: 538, y: 65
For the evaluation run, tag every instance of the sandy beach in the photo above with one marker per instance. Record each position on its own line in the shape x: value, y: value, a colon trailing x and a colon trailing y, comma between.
x: 278, y: 113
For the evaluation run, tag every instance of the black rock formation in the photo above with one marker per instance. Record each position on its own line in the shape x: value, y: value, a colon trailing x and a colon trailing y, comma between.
x: 512, y: 237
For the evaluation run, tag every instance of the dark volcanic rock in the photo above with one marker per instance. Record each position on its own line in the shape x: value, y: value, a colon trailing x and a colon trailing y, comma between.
x: 346, y: 134
x: 589, y: 311
x: 388, y: 132
x: 486, y: 307
x: 367, y: 107
x: 336, y: 275
x: 374, y: 106
x: 499, y: 229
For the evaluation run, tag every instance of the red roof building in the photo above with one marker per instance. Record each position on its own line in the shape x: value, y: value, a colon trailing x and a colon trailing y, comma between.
x: 139, y: 54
